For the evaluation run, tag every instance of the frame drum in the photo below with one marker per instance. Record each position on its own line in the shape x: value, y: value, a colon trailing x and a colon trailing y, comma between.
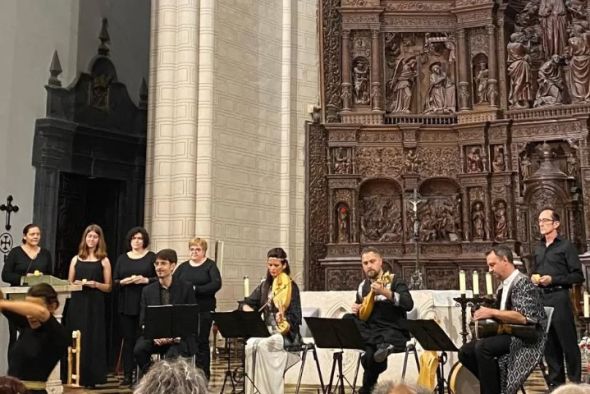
x: 462, y: 381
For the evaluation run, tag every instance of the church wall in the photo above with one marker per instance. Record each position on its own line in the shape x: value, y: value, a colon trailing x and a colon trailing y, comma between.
x: 30, y: 30
x: 265, y: 78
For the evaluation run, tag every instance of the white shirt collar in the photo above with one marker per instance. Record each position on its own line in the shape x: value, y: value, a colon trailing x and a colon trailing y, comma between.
x: 506, y: 283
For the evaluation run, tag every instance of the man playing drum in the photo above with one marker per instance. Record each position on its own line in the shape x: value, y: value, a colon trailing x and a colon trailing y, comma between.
x: 503, y: 362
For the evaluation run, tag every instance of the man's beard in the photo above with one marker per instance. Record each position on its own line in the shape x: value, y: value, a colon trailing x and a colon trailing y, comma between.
x: 372, y: 274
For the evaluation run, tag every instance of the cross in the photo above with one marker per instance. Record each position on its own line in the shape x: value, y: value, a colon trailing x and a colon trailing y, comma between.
x: 415, y: 200
x: 9, y: 208
x: 5, y: 243
x: 416, y: 282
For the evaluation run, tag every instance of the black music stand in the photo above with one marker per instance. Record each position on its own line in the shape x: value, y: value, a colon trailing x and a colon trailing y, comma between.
x: 335, y: 334
x: 171, y: 321
x: 432, y: 337
x: 239, y: 324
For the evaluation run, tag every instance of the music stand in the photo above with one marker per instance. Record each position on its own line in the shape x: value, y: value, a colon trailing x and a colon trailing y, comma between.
x: 432, y: 337
x: 335, y: 334
x: 171, y: 321
x: 239, y: 324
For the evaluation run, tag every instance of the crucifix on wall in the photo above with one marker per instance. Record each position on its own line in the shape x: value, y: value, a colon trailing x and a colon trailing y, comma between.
x: 416, y: 282
x: 9, y: 209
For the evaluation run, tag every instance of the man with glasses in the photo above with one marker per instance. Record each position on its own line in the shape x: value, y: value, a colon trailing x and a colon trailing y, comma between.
x: 556, y: 268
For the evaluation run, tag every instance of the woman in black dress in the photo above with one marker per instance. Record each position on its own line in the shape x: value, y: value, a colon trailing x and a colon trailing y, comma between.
x: 43, y: 340
x: 132, y: 272
x: 91, y: 269
x: 202, y: 273
x: 25, y: 260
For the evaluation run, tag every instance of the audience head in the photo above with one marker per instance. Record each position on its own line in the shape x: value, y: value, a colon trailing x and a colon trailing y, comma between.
x: 45, y: 295
x: 372, y: 262
x: 198, y: 249
x: 92, y: 240
x: 276, y: 263
x: 389, y: 387
x: 165, y: 263
x: 138, y: 238
x: 10, y: 385
x: 31, y: 234
x: 500, y: 261
x: 173, y: 376
x: 572, y: 388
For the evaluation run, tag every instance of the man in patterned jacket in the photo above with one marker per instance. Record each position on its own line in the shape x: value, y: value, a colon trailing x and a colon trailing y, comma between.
x: 503, y: 362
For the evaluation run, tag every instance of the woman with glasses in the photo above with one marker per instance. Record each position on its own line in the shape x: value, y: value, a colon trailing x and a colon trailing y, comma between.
x: 133, y: 271
x: 202, y: 273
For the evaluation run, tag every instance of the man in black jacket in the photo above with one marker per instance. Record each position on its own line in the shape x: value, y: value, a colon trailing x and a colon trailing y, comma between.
x: 164, y: 292
x: 383, y: 332
x: 556, y: 268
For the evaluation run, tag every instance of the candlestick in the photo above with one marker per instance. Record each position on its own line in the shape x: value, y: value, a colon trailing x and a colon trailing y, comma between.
x: 489, y: 286
x: 462, y: 286
x: 475, y: 283
x: 246, y: 286
x: 586, y: 304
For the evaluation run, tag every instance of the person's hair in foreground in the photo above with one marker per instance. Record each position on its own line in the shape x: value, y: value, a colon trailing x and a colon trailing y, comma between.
x: 572, y: 388
x: 390, y: 387
x: 173, y: 376
x: 10, y: 385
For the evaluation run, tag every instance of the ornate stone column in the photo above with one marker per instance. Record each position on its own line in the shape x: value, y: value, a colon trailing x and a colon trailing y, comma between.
x: 463, y: 91
x: 346, y: 92
x: 492, y: 67
x: 376, y: 94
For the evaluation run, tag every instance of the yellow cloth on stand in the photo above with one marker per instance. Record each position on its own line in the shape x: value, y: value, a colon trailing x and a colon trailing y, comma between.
x: 428, y: 366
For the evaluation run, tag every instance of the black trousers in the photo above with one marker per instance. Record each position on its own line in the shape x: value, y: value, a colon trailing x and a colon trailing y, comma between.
x: 371, y: 368
x: 129, y: 326
x: 481, y: 358
x: 562, y: 340
x: 144, y: 348
x: 203, y: 351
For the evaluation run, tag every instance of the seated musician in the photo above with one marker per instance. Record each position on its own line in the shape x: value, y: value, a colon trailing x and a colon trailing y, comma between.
x: 278, y: 298
x: 503, y: 362
x: 381, y: 327
x: 164, y: 292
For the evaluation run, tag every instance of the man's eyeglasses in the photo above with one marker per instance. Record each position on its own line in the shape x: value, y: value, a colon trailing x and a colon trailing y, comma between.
x: 545, y: 221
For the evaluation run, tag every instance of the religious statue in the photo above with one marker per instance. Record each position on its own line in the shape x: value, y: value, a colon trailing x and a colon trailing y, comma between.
x: 501, y: 224
x: 550, y: 81
x: 525, y: 166
x: 441, y: 91
x: 571, y: 164
x: 402, y: 84
x: 478, y: 219
x: 361, y: 82
x: 579, y: 65
x: 343, y: 224
x: 481, y: 81
x: 342, y: 163
x: 553, y: 18
x: 411, y: 162
x: 474, y: 161
x: 519, y: 71
x: 499, y: 164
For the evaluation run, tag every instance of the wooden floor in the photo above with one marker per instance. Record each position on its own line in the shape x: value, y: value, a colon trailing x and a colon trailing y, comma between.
x: 534, y: 385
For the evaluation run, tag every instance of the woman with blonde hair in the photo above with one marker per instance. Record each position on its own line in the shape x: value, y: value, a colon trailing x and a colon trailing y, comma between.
x: 90, y: 268
x: 202, y: 273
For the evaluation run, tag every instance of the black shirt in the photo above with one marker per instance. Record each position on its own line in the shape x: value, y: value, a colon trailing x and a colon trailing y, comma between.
x: 205, y: 279
x: 36, y: 352
x: 18, y: 264
x: 560, y: 261
x: 130, y: 295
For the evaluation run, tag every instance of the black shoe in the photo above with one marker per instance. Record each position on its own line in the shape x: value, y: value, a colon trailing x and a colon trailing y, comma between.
x: 383, y: 350
x: 127, y: 380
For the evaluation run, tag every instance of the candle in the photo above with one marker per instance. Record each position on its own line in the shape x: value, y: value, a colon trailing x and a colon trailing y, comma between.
x: 475, y: 283
x: 586, y: 304
x: 246, y: 286
x: 462, y: 285
x: 489, y: 287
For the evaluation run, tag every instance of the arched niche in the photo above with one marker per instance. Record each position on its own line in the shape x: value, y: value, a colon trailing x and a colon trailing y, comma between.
x: 440, y: 213
x: 380, y: 208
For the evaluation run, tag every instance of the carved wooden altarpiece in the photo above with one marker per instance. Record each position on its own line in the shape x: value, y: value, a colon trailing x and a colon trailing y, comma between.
x: 481, y: 106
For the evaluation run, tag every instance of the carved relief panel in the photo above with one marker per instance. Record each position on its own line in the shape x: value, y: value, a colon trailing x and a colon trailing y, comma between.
x: 440, y: 215
x: 380, y: 211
